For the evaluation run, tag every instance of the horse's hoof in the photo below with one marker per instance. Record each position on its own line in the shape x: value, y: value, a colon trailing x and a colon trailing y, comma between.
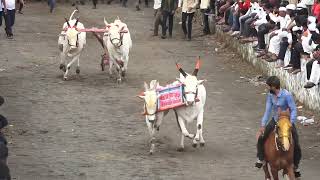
x: 194, y: 145
x: 78, y: 71
x: 102, y: 66
x: 180, y: 149
x: 202, y: 144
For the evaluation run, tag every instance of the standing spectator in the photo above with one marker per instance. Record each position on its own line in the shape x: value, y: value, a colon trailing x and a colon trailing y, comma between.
x: 157, y: 14
x: 21, y: 4
x: 9, y: 17
x: 168, y: 8
x: 146, y: 2
x: 94, y: 2
x: 3, y: 10
x: 51, y: 4
x: 188, y: 10
x: 205, y: 8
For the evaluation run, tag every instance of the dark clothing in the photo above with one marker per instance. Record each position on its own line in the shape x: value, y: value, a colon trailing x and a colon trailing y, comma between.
x: 1, y: 14
x: 268, y: 129
x: 309, y: 68
x: 9, y: 19
x: 20, y: 5
x: 94, y: 3
x: 51, y: 4
x: 167, y: 15
x: 169, y: 5
x: 185, y: 17
x: 263, y: 29
x: 205, y: 17
x: 296, y: 55
x: 248, y: 30
x: 157, y: 21
x: 283, y: 49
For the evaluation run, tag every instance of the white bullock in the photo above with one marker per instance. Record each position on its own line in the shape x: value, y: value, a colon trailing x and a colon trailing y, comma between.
x: 118, y: 43
x: 195, y: 98
x: 71, y: 43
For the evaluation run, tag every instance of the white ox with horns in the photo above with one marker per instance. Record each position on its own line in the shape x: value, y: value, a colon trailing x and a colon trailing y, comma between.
x: 195, y: 98
x: 71, y: 43
x: 117, y: 40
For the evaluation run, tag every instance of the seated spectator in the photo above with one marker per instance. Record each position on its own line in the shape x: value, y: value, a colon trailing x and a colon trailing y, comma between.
x: 313, y: 66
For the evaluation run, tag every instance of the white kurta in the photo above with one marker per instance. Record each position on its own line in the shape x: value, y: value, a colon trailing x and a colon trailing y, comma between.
x: 315, y: 73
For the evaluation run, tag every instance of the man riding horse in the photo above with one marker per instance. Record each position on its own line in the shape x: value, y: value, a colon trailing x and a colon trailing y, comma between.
x: 278, y: 100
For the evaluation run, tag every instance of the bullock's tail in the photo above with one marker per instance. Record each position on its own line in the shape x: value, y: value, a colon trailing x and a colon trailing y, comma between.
x: 76, y: 10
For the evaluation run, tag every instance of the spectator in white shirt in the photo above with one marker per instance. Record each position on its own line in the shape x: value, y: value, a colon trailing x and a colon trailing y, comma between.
x: 158, y: 15
x: 188, y: 9
x: 9, y: 17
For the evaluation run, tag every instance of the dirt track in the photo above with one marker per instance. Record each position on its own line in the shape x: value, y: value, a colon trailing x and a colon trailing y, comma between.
x: 91, y: 128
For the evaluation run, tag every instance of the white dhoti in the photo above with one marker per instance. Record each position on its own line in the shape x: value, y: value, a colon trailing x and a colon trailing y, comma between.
x: 274, y: 45
x: 315, y: 73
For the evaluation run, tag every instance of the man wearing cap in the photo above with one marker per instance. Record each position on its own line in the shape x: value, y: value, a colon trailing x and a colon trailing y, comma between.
x: 313, y: 66
x: 282, y: 19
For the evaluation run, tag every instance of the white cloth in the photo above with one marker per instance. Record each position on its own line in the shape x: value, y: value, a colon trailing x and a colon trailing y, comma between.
x: 11, y: 4
x: 274, y: 45
x: 307, y: 2
x: 0, y: 6
x: 305, y: 41
x: 186, y: 4
x: 157, y: 4
x: 205, y: 4
x: 315, y: 73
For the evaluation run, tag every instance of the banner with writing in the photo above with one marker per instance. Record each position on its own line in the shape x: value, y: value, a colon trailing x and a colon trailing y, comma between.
x: 170, y: 97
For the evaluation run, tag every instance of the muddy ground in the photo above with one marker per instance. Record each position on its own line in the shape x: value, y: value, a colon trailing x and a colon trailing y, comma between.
x: 91, y: 128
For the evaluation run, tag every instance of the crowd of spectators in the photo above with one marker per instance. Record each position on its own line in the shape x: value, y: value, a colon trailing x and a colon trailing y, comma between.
x: 283, y: 32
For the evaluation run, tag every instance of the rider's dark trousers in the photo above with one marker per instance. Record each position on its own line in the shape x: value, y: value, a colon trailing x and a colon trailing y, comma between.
x: 268, y: 129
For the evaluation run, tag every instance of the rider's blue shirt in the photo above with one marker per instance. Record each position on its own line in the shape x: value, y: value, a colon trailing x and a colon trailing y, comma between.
x: 285, y: 101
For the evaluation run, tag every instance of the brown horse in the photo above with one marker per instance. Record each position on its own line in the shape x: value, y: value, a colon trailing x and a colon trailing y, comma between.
x: 279, y: 150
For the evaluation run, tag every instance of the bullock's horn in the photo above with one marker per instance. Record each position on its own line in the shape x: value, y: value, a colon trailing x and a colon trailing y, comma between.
x: 67, y: 22
x: 75, y: 25
x: 105, y: 21
x: 181, y: 70
x: 195, y: 72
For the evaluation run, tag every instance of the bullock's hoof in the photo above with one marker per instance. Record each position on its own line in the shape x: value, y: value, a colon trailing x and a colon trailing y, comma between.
x: 150, y: 152
x: 62, y: 66
x: 180, y: 149
x: 194, y: 145
x: 119, y: 81
x: 78, y: 71
x: 202, y: 144
x: 65, y: 78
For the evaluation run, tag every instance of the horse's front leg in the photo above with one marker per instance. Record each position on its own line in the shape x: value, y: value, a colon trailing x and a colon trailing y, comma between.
x: 266, y: 172
x: 275, y: 174
x: 291, y: 175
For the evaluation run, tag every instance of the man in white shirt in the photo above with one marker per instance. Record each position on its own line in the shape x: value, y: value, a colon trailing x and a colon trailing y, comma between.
x: 188, y: 8
x: 205, y: 8
x: 9, y: 17
x: 158, y: 15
